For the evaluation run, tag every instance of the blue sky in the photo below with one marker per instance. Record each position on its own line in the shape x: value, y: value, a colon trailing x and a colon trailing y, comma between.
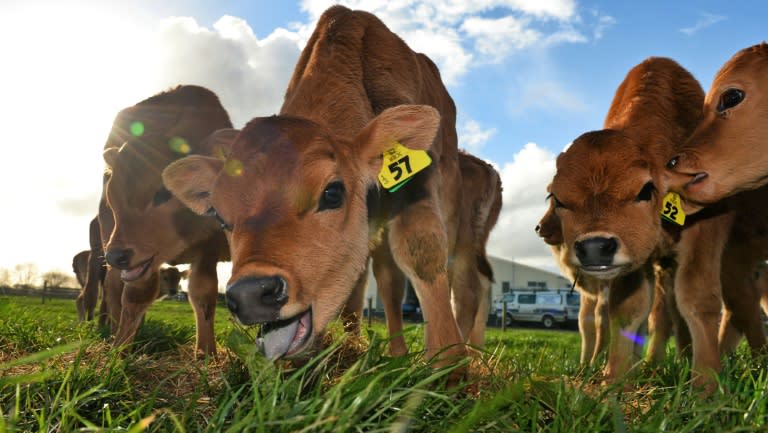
x: 528, y: 76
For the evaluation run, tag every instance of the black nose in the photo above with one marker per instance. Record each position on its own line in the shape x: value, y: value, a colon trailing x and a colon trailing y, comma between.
x: 120, y: 258
x: 538, y: 228
x: 673, y: 162
x: 257, y: 299
x: 597, y: 251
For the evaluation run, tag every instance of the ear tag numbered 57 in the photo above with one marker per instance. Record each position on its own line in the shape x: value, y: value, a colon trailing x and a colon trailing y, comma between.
x: 400, y: 164
x: 671, y: 209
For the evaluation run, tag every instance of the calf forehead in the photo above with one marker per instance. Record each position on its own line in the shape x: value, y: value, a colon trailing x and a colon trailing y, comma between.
x: 275, y: 158
x: 601, y: 164
x: 136, y: 171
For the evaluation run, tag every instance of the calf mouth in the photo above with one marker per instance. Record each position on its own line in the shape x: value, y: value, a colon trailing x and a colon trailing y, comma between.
x: 136, y: 272
x: 602, y: 271
x: 286, y: 338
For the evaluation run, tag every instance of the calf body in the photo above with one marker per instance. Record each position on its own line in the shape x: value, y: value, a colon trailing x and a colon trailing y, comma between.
x: 299, y: 191
x: 606, y: 195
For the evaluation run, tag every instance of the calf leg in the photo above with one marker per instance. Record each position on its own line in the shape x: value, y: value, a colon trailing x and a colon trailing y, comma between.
x: 391, y: 284
x: 728, y: 337
x: 465, y: 288
x: 629, y: 303
x: 742, y: 300
x: 477, y: 334
x: 419, y: 245
x: 89, y: 296
x: 113, y: 298
x: 659, y: 320
x: 698, y: 294
x: 136, y: 300
x: 587, y: 327
x: 602, y: 325
x: 203, y: 291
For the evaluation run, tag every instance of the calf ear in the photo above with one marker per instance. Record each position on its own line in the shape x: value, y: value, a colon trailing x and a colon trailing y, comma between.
x: 414, y: 126
x: 191, y: 180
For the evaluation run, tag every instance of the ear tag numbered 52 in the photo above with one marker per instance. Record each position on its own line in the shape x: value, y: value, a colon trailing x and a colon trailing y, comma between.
x: 400, y: 164
x: 671, y: 209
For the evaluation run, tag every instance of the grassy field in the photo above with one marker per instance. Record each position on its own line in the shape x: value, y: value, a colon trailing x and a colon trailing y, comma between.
x: 60, y: 376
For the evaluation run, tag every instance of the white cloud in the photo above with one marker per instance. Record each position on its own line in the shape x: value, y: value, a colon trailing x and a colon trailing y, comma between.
x: 525, y: 181
x: 496, y: 38
x: 603, y: 23
x: 705, y: 20
x: 248, y: 74
x: 472, y: 136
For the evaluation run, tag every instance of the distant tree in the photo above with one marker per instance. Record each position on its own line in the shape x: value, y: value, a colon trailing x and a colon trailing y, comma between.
x: 26, y: 274
x: 58, y: 278
x: 5, y: 277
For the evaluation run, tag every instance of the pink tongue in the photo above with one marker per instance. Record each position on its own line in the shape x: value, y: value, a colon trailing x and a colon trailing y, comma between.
x: 276, y: 342
x: 132, y: 274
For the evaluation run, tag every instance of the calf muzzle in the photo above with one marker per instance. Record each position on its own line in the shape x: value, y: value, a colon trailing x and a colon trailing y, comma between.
x: 257, y: 299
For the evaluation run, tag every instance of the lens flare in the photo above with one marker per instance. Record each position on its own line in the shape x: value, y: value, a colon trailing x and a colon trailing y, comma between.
x: 137, y: 129
x: 179, y: 145
x: 233, y: 167
x: 637, y: 339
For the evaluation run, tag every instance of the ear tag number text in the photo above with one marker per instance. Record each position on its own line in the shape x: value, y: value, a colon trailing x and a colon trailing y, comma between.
x: 671, y: 209
x: 400, y: 164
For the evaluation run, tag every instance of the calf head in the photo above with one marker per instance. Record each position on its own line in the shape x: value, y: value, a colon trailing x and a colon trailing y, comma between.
x: 292, y: 197
x: 605, y: 195
x: 728, y: 151
x: 150, y: 225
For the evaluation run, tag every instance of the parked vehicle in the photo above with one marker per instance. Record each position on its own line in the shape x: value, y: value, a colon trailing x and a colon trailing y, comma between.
x: 548, y: 307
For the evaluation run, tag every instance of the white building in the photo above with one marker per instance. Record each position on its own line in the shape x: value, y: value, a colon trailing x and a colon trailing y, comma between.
x: 508, y: 275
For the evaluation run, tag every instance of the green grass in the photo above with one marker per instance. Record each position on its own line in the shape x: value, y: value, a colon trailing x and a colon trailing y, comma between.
x: 60, y: 376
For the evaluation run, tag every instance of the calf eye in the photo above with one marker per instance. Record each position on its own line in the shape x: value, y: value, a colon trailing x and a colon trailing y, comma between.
x: 558, y: 203
x: 161, y: 196
x: 332, y: 197
x: 646, y: 193
x: 729, y: 99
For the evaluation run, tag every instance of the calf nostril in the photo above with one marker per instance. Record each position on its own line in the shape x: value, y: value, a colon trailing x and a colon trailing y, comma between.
x: 538, y: 228
x: 581, y: 251
x: 673, y: 162
x: 610, y: 246
x: 120, y: 259
x: 274, y: 291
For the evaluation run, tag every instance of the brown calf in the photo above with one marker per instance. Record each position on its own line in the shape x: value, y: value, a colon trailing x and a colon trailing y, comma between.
x: 606, y: 194
x: 144, y: 225
x: 727, y: 151
x: 300, y: 198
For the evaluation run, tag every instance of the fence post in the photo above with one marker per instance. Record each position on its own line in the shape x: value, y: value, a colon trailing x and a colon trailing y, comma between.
x: 45, y: 290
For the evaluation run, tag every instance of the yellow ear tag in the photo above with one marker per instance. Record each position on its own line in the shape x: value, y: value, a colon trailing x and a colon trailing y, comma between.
x: 671, y: 209
x: 400, y: 164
